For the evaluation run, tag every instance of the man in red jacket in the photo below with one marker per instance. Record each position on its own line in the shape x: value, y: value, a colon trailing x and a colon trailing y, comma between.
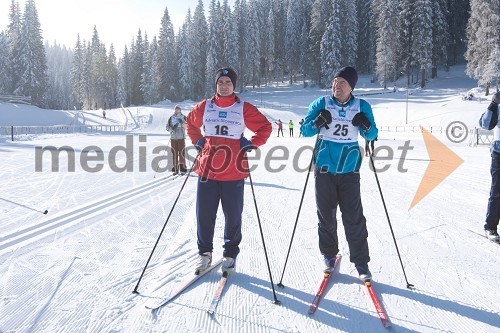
x: 222, y: 165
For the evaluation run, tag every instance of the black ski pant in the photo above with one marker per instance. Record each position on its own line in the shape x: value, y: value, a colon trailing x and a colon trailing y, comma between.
x: 230, y: 194
x: 342, y: 190
x: 493, y: 213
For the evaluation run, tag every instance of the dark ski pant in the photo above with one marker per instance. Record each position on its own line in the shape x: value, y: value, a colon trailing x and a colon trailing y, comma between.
x: 341, y: 190
x: 230, y: 194
x: 178, y: 154
x: 493, y: 213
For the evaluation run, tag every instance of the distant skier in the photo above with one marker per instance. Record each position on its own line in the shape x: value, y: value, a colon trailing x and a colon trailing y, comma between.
x: 300, y: 123
x: 290, y: 128
x: 176, y: 127
x: 280, y: 127
x: 489, y: 120
x: 104, y: 114
x: 339, y: 119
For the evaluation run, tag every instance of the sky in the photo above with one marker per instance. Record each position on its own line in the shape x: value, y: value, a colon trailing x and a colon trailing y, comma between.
x: 74, y: 269
x: 117, y: 21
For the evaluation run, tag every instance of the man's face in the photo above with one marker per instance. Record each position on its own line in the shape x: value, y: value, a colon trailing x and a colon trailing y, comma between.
x: 225, y: 86
x: 177, y: 110
x: 341, y: 89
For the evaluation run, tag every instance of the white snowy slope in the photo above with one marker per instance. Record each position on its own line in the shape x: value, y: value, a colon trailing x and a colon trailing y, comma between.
x: 74, y: 269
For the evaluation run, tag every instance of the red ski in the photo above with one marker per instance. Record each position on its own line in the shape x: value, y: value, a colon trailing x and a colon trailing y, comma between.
x: 378, y: 306
x: 322, y: 287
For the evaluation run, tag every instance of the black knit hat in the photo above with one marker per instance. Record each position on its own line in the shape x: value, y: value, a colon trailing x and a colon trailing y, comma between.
x: 226, y: 71
x: 349, y: 74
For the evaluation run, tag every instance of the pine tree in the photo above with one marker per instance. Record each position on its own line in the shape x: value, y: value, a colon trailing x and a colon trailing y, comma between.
x: 320, y: 13
x: 366, y: 37
x: 240, y: 10
x: 198, y: 38
x: 483, y: 31
x: 440, y: 35
x: 331, y: 44
x: 291, y: 33
x: 386, y: 43
x: 186, y: 58
x: 230, y: 47
x: 167, y: 61
x: 253, y: 46
x: 113, y: 80
x: 457, y: 17
x: 14, y: 38
x: 214, y: 51
x: 33, y: 80
x: 422, y: 42
x: 348, y: 21
x: 4, y: 63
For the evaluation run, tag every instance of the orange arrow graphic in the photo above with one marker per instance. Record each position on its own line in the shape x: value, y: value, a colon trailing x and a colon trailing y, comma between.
x: 443, y: 162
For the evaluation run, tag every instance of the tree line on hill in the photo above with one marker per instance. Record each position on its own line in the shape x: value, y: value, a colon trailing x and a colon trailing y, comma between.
x: 265, y: 41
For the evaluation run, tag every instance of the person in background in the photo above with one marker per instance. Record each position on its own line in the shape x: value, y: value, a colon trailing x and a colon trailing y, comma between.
x: 489, y: 120
x: 177, y: 128
x: 338, y: 120
x: 290, y: 127
x: 221, y: 164
x: 300, y: 123
x: 280, y: 127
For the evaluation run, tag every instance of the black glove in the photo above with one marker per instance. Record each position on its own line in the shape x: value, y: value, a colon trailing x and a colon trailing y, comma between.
x: 361, y: 120
x: 323, y: 119
x: 200, y: 143
x: 176, y: 125
x: 246, y: 145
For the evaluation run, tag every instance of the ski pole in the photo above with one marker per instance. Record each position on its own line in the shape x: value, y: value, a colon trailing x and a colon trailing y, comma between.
x: 408, y: 284
x: 15, y: 203
x: 276, y: 301
x: 280, y: 284
x: 165, y: 224
x: 158, y: 165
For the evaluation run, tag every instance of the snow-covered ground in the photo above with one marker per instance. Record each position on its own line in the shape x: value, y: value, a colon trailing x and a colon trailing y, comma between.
x: 74, y: 269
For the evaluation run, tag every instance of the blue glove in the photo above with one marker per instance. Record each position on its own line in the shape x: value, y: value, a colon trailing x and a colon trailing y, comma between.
x: 200, y: 143
x: 246, y: 145
x: 323, y: 119
x: 361, y: 120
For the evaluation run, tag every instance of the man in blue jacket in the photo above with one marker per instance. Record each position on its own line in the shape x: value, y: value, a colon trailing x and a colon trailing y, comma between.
x: 338, y: 119
x: 489, y: 120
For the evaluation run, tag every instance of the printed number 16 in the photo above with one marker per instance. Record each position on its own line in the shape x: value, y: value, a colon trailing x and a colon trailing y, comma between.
x: 221, y: 130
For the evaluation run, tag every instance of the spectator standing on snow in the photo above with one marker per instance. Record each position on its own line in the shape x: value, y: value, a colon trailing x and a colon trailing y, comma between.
x: 300, y: 123
x: 222, y: 165
x: 280, y: 127
x: 176, y: 125
x: 290, y: 128
x: 339, y: 119
x: 489, y: 120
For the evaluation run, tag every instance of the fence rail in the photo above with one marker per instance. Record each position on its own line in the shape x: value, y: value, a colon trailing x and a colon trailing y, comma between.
x: 477, y: 136
x: 13, y: 131
x: 15, y: 99
x: 412, y: 129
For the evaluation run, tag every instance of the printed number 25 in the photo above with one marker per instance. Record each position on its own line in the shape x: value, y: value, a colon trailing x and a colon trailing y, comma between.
x: 221, y: 130
x: 341, y: 130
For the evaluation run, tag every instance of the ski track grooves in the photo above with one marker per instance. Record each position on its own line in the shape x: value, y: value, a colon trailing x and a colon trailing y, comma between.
x: 67, y: 218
